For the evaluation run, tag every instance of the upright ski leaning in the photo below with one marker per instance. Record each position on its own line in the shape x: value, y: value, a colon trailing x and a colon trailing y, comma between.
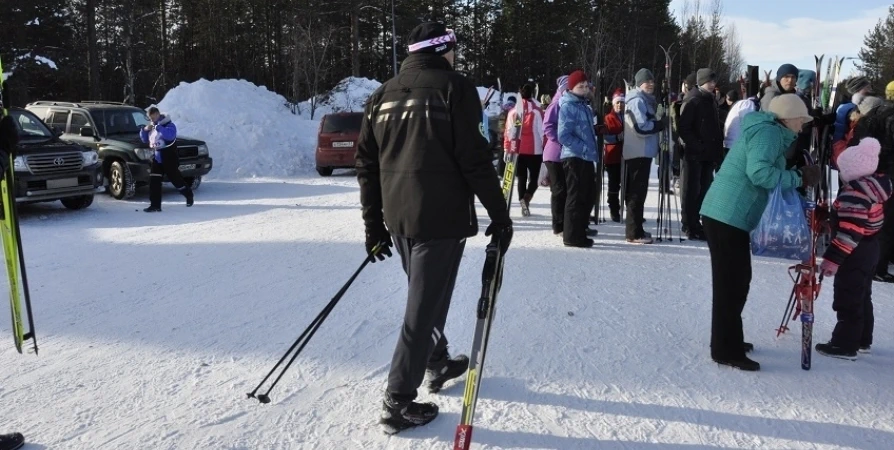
x: 11, y: 234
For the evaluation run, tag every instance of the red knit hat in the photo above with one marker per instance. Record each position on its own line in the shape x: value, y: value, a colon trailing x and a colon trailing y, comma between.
x: 576, y: 77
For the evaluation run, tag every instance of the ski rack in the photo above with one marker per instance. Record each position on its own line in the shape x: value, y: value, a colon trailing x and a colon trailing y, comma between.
x: 663, y: 229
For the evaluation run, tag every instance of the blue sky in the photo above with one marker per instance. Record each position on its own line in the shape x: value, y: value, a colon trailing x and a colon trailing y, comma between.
x: 774, y: 32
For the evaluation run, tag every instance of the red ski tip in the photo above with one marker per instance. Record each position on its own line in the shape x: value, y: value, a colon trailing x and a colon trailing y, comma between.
x: 463, y: 437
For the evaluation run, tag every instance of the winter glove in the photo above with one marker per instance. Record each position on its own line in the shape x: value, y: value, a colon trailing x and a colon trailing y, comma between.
x: 501, y: 231
x: 810, y: 176
x: 376, y: 235
x: 828, y: 268
x: 660, y: 125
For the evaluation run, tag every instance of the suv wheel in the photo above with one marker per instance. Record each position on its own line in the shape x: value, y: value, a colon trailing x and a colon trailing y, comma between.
x: 193, y: 182
x: 121, y: 182
x: 324, y: 171
x: 78, y: 202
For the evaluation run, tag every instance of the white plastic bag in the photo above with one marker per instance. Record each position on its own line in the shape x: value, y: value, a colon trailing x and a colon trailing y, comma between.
x: 543, y: 179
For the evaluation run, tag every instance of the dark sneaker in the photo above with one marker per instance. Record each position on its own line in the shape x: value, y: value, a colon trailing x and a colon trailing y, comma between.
x: 835, y: 351
x: 525, y: 208
x: 152, y: 209
x: 747, y: 347
x: 586, y: 243
x: 12, y: 441
x: 440, y: 372
x: 884, y: 277
x: 865, y: 350
x: 743, y: 363
x: 396, y: 418
x: 592, y: 232
x: 640, y: 240
x: 696, y: 236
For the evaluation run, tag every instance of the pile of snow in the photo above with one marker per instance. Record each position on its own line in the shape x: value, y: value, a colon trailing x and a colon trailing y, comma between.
x: 250, y: 131
x: 349, y: 95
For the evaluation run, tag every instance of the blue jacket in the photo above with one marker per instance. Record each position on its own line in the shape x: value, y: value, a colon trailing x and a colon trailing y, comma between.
x: 842, y: 118
x: 641, y: 127
x: 162, y: 136
x: 576, y: 133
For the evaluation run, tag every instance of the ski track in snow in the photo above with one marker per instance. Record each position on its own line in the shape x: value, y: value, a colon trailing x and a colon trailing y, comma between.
x: 152, y: 329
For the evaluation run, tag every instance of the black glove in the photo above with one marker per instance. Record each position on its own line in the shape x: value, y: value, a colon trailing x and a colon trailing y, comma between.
x: 376, y: 235
x: 660, y: 125
x: 501, y: 231
x: 810, y: 176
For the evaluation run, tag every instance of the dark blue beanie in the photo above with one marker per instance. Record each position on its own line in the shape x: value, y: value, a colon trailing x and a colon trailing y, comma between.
x: 786, y: 69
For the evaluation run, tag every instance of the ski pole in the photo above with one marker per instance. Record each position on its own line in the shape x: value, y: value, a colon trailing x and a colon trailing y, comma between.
x: 309, y: 331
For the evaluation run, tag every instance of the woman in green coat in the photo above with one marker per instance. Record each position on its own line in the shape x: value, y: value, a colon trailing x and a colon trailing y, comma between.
x: 733, y: 207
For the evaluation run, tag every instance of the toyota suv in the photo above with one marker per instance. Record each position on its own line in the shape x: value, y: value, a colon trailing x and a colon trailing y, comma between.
x: 113, y: 130
x: 47, y: 169
x: 337, y: 142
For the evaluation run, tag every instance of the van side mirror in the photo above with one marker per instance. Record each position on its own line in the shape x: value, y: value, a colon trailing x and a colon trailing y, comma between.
x: 87, y: 132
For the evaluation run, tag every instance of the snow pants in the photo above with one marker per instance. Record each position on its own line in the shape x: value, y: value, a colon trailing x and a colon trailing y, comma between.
x: 170, y: 166
x: 853, y: 296
x: 730, y: 250
x: 579, y: 181
x: 431, y: 267
x: 697, y: 179
x: 527, y: 170
x: 637, y: 180
x: 558, y: 194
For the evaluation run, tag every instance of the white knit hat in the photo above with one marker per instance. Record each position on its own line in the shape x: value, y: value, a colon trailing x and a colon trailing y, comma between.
x: 860, y: 160
x: 789, y: 106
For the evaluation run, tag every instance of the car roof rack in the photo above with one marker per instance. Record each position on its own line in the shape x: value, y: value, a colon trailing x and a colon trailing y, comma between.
x: 102, y: 102
x: 53, y: 103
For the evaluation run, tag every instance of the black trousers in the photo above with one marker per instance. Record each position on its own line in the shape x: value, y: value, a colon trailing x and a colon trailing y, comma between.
x: 886, y: 239
x: 579, y: 181
x: 853, y: 296
x: 614, y: 187
x: 637, y: 180
x: 170, y: 166
x: 431, y: 267
x: 527, y: 169
x: 730, y: 250
x: 697, y: 179
x: 558, y: 195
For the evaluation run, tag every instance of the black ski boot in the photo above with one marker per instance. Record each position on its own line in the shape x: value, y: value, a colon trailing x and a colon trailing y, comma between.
x: 152, y: 209
x: 398, y: 417
x: 835, y: 351
x: 12, y: 441
x: 743, y: 363
x: 444, y: 369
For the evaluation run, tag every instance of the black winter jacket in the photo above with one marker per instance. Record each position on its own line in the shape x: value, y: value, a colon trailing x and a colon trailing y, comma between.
x: 700, y: 128
x: 422, y: 156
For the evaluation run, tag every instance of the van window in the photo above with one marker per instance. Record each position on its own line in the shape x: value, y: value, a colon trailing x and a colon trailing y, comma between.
x: 58, y: 119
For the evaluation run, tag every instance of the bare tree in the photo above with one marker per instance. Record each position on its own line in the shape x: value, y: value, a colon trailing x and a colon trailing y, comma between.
x: 732, y: 50
x: 313, y: 42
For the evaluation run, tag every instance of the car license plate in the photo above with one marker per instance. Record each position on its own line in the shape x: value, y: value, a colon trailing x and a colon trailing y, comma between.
x: 63, y: 183
x: 187, y: 166
x: 342, y: 144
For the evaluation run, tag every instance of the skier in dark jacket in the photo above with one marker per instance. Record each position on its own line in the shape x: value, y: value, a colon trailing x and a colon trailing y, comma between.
x: 161, y: 135
x: 421, y: 160
x: 702, y: 137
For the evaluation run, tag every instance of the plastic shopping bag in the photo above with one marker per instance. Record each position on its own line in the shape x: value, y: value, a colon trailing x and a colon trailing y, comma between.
x: 783, y: 231
x: 543, y: 179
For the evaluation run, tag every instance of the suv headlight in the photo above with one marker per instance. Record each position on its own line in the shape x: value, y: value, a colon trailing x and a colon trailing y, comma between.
x: 144, y: 153
x: 19, y: 164
x: 203, y: 150
x: 90, y: 158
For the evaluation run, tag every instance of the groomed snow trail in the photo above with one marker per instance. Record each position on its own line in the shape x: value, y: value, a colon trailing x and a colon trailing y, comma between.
x: 153, y: 328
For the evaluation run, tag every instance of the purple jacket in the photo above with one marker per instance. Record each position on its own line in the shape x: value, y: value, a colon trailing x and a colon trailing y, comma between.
x: 552, y: 151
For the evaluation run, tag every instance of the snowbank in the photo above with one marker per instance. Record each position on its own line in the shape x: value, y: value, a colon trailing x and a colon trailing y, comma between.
x: 349, y: 95
x: 250, y: 131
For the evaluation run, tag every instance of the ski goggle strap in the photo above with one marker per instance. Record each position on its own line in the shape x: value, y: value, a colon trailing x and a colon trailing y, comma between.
x: 434, y: 42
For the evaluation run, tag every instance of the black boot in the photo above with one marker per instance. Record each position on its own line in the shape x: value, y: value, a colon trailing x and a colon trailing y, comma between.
x: 741, y: 363
x: 13, y: 441
x: 187, y: 192
x: 398, y: 417
x: 440, y: 371
x: 835, y: 351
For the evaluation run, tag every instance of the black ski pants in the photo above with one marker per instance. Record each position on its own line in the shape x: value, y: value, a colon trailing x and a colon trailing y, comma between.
x: 697, y: 179
x: 614, y: 187
x: 527, y: 169
x: 558, y: 194
x: 637, y: 180
x: 853, y: 296
x: 170, y: 167
x: 579, y: 181
x: 431, y: 267
x: 886, y: 239
x: 730, y: 250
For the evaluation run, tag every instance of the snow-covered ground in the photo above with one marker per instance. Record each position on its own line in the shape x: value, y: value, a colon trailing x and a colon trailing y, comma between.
x: 153, y: 328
